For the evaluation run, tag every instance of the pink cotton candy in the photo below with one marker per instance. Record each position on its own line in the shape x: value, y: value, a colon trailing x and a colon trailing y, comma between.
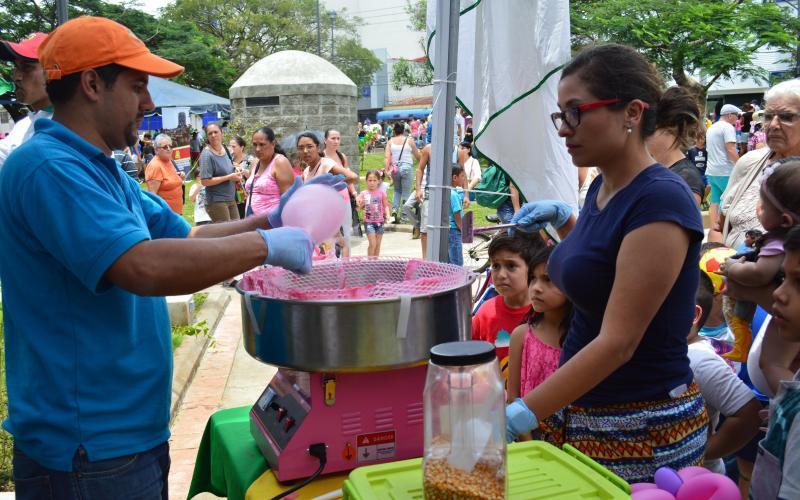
x: 318, y: 209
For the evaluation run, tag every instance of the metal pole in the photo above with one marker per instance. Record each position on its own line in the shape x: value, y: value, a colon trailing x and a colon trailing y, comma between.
x: 61, y: 11
x: 319, y: 34
x: 444, y: 91
x: 332, y: 15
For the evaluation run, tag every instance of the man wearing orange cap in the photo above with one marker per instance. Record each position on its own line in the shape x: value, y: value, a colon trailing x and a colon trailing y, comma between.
x: 85, y: 260
x: 29, y: 81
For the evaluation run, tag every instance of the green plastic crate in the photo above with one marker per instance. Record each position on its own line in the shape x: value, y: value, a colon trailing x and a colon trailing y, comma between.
x: 536, y: 470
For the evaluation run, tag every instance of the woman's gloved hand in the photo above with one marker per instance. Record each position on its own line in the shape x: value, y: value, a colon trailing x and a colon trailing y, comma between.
x: 289, y: 248
x: 335, y: 181
x: 519, y: 420
x: 536, y: 215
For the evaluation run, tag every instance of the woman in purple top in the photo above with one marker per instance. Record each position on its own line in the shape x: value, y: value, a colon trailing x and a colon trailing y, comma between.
x: 629, y: 265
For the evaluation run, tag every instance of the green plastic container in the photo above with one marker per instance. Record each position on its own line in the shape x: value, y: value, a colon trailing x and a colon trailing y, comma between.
x: 536, y: 470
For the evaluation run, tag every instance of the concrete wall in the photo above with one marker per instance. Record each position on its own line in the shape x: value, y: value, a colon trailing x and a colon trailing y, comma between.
x: 299, y: 112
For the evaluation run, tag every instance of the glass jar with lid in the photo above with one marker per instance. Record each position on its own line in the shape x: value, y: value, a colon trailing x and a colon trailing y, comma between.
x: 465, y: 446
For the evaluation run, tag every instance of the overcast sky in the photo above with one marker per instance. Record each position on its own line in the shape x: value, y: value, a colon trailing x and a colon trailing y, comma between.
x: 385, y: 23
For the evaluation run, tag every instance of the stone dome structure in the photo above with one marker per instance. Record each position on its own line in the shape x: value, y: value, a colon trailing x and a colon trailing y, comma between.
x: 292, y: 91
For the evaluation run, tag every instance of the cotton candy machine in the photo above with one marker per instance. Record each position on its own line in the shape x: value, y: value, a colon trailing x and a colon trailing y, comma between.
x: 351, y: 340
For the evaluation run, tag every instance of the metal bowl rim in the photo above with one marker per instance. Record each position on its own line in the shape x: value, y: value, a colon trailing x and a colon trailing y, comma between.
x: 471, y: 277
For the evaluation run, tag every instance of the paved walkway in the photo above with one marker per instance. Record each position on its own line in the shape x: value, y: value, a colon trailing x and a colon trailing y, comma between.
x: 228, y: 377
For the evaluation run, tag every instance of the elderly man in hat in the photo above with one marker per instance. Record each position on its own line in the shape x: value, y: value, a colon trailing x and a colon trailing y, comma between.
x: 86, y: 259
x: 29, y: 82
x: 722, y: 156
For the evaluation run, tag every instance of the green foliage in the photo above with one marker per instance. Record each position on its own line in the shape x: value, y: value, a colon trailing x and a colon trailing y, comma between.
x: 207, y: 65
x: 181, y: 331
x: 249, y: 30
x: 711, y: 38
x: 411, y: 74
x: 417, y: 11
x: 199, y: 299
x: 358, y: 63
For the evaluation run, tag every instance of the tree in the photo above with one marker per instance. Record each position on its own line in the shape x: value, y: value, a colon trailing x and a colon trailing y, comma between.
x: 417, y: 12
x: 207, y: 66
x: 249, y: 30
x: 407, y: 73
x: 358, y: 63
x: 710, y: 38
x: 411, y: 74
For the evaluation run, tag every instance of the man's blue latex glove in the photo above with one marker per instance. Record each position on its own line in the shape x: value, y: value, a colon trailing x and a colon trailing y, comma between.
x: 519, y: 420
x: 288, y: 247
x: 335, y: 181
x: 535, y: 215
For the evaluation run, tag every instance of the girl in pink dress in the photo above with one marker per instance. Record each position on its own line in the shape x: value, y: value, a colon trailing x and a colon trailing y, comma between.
x: 535, y: 345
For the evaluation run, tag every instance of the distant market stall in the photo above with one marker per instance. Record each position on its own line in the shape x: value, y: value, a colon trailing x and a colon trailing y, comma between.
x: 178, y: 106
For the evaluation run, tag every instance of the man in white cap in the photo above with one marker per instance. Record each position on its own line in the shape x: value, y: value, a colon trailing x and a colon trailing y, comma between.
x: 29, y: 82
x: 722, y: 155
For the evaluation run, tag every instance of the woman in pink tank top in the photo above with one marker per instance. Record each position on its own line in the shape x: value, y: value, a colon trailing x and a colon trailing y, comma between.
x: 271, y: 177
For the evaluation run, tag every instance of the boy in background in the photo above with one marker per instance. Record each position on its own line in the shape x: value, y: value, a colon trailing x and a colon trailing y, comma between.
x: 723, y: 390
x: 455, y: 253
x: 497, y: 317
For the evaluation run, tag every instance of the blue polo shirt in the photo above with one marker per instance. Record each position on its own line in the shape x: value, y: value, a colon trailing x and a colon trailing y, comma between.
x: 87, y: 363
x: 584, y: 264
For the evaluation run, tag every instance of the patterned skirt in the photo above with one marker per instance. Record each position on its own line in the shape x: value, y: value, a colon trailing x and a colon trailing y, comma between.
x: 634, y: 439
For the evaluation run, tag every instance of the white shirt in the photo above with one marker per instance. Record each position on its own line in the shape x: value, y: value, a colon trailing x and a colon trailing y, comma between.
x: 472, y: 168
x: 458, y: 138
x: 717, y: 136
x: 22, y: 131
x: 723, y: 391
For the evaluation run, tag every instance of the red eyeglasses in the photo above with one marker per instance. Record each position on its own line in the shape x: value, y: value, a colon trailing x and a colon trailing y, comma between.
x: 572, y: 116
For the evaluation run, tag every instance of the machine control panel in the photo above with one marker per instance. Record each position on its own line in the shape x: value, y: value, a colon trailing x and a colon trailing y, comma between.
x: 281, y: 415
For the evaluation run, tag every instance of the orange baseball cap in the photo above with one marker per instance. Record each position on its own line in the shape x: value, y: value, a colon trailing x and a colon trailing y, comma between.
x: 91, y: 42
x: 24, y: 49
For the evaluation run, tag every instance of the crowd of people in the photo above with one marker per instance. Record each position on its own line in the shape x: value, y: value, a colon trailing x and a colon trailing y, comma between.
x: 611, y: 340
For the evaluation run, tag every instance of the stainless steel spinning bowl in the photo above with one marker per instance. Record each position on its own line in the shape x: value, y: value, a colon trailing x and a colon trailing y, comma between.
x: 355, y: 335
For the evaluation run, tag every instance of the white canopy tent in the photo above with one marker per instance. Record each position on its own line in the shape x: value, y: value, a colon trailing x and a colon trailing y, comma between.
x: 509, y: 59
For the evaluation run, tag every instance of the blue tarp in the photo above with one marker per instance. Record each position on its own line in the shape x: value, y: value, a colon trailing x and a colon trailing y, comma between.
x: 402, y: 114
x: 166, y: 93
x: 152, y: 122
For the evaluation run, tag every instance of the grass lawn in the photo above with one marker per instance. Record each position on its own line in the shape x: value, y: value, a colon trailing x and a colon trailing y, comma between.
x: 6, y: 441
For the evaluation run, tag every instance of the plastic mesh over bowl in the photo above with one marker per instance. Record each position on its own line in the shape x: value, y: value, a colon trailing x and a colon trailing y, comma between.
x: 357, y: 278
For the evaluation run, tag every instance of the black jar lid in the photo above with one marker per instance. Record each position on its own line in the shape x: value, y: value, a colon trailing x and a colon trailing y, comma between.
x: 470, y: 352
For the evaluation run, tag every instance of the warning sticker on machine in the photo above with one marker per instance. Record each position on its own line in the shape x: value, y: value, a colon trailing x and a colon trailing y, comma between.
x: 375, y: 446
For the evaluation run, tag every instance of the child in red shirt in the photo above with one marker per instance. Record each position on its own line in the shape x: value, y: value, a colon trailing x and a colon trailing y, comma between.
x: 497, y: 317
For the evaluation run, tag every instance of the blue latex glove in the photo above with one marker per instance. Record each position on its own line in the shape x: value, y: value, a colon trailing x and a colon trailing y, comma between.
x: 535, y: 215
x: 335, y: 181
x: 519, y: 420
x: 288, y: 247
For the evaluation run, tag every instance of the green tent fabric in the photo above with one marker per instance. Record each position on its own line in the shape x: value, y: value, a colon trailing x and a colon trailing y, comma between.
x: 6, y: 87
x: 226, y: 462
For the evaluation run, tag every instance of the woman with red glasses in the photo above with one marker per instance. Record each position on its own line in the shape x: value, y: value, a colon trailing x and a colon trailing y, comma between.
x: 624, y: 393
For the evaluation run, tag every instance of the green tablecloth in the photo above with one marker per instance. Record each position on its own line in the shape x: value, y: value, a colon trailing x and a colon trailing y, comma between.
x: 228, y: 460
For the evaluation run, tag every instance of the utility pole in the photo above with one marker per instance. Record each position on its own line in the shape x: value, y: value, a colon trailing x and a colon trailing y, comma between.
x: 61, y: 11
x: 319, y: 33
x: 444, y: 92
x: 332, y: 15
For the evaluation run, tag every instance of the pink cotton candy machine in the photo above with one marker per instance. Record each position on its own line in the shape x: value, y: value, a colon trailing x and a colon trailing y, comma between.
x: 352, y: 340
